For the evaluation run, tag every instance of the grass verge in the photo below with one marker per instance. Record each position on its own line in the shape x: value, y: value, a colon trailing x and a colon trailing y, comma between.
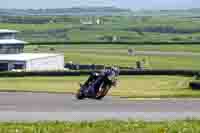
x: 108, y: 126
x: 128, y: 86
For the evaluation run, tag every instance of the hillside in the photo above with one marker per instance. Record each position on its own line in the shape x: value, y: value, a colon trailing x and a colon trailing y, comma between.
x: 100, y: 11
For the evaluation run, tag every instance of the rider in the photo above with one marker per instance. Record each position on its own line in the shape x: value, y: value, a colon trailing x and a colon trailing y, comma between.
x: 111, y: 73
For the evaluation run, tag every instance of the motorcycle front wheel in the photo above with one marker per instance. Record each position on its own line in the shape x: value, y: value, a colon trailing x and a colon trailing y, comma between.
x: 102, y: 92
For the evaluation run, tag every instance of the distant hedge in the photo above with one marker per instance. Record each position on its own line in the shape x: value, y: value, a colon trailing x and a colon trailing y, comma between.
x: 128, y: 43
x: 42, y: 73
x: 195, y: 85
x: 160, y: 72
x: 81, y: 73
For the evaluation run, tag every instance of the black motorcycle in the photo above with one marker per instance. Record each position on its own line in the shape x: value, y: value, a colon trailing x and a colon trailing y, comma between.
x: 98, y: 87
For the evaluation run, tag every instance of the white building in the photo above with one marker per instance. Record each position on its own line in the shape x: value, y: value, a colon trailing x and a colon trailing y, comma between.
x: 31, y: 62
x: 8, y: 43
x: 98, y: 21
x: 13, y: 58
x: 7, y: 34
x: 91, y: 21
x: 86, y: 22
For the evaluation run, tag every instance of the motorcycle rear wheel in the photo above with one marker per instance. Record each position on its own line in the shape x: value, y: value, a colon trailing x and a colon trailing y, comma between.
x: 80, y: 95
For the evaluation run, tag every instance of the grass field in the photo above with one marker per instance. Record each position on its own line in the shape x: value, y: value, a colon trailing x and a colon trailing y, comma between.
x: 118, y: 55
x: 121, y: 47
x: 121, y: 26
x: 128, y: 86
x: 108, y: 126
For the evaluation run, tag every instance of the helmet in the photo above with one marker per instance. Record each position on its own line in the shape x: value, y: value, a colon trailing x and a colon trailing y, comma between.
x: 116, y: 70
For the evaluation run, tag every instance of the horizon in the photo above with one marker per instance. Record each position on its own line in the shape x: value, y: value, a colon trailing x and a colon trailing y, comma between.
x: 126, y: 4
x: 100, y: 7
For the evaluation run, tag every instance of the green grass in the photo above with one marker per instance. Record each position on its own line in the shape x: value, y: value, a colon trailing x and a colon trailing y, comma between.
x: 118, y: 55
x: 31, y: 27
x: 27, y: 27
x: 106, y: 126
x: 119, y: 48
x: 113, y: 26
x: 128, y: 86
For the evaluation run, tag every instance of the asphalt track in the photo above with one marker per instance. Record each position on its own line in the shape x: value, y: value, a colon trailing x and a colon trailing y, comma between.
x: 30, y: 107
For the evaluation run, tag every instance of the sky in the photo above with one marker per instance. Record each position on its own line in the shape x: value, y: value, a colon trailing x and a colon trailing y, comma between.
x: 131, y: 4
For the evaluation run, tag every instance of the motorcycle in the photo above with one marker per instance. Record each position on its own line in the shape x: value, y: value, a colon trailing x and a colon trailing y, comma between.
x: 98, y: 88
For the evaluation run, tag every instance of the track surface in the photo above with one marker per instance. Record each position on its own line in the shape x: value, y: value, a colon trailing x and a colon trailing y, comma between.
x: 64, y: 107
